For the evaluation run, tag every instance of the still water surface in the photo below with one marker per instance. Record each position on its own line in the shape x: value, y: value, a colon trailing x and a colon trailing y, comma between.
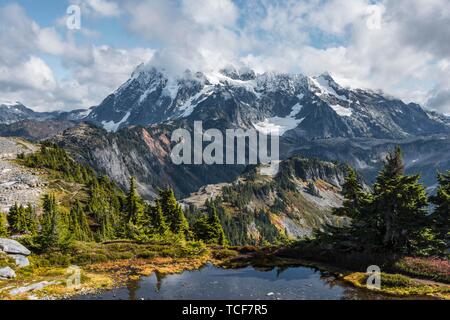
x: 210, y: 283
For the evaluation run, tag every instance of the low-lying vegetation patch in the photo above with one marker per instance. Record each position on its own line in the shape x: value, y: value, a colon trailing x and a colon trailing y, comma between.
x: 430, y: 268
x: 103, y: 266
x: 399, y: 285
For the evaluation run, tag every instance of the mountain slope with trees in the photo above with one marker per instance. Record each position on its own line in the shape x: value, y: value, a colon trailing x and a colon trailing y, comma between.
x: 99, y: 212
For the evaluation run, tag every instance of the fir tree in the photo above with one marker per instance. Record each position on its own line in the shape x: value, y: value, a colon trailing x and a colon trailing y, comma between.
x: 208, y: 227
x: 134, y: 213
x: 17, y: 219
x: 31, y: 219
x: 399, y: 205
x: 134, y: 204
x: 354, y: 196
x: 441, y: 215
x: 78, y: 225
x: 157, y: 219
x: 202, y: 229
x: 53, y: 234
x: 173, y: 213
x: 217, y: 233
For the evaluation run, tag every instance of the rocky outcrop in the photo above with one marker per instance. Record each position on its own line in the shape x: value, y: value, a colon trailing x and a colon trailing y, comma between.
x: 313, y: 190
x: 7, y: 273
x: 16, y: 251
x: 17, y: 183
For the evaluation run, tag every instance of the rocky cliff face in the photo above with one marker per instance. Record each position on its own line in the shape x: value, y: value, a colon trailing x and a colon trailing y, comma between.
x: 143, y: 153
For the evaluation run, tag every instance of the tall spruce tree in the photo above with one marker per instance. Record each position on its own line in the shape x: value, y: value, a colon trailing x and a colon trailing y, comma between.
x: 31, y: 219
x: 157, y: 219
x: 134, y: 204
x: 102, y: 208
x: 17, y: 219
x: 354, y: 196
x: 134, y: 213
x: 399, y: 206
x: 173, y: 213
x: 79, y: 225
x: 208, y: 226
x: 218, y: 235
x: 53, y: 234
x: 441, y: 215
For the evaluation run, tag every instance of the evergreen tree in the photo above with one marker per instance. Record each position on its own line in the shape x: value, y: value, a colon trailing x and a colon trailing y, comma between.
x: 173, y: 213
x: 399, y: 206
x: 217, y: 233
x: 354, y: 196
x: 134, y: 204
x: 104, y: 206
x: 31, y: 219
x: 208, y: 227
x: 157, y: 219
x: 441, y: 215
x: 53, y: 234
x: 3, y: 225
x: 202, y: 229
x: 180, y: 224
x: 17, y: 219
x: 134, y: 213
x: 78, y: 225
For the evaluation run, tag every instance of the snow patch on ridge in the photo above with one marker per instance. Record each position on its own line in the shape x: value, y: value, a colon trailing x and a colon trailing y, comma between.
x: 325, y: 88
x: 189, y: 106
x: 216, y: 78
x: 342, y: 111
x: 111, y: 126
x: 278, y: 125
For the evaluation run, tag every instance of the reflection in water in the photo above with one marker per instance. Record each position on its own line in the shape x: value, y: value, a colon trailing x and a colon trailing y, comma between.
x: 133, y: 287
x: 159, y: 278
x: 210, y: 283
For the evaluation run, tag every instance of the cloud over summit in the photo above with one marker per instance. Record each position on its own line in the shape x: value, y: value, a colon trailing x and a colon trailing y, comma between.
x: 399, y: 46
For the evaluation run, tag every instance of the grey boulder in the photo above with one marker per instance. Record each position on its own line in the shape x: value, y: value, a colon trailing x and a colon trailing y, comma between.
x: 13, y: 247
x: 7, y: 273
x: 21, y: 261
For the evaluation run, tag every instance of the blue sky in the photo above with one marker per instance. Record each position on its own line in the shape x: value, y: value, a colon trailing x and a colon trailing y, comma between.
x: 398, y: 46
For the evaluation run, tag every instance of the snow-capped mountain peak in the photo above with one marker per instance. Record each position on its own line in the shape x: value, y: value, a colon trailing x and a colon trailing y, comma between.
x: 238, y: 97
x: 7, y: 103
